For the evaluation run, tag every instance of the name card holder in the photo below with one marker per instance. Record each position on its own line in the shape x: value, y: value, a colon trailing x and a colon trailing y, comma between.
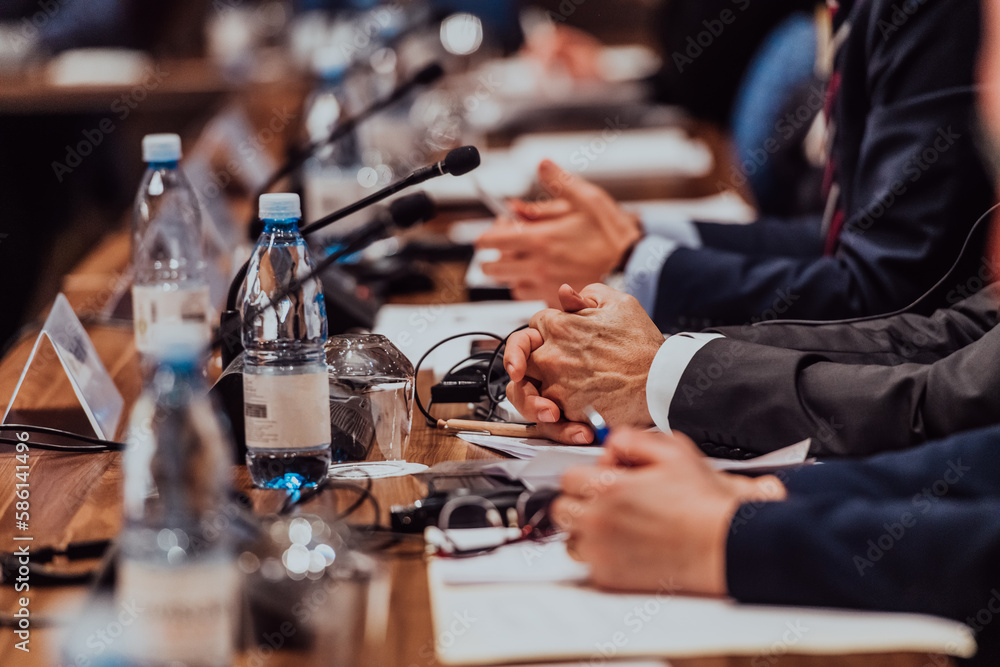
x: 64, y: 383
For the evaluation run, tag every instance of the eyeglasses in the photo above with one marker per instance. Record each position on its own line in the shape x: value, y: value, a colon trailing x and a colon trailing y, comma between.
x: 526, y: 520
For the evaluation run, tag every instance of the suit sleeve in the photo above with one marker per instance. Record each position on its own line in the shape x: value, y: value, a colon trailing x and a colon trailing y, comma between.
x: 886, y: 341
x: 912, y: 189
x: 841, y: 544
x: 765, y: 237
x: 760, y: 398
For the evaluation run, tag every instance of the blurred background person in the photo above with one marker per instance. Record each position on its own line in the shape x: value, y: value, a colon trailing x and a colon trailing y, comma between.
x: 904, y: 186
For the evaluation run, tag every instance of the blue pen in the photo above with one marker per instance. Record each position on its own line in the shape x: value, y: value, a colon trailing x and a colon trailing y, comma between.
x: 597, y: 423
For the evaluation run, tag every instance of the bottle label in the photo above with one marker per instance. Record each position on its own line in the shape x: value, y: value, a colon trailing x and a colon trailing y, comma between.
x: 185, y: 614
x: 162, y: 316
x: 286, y: 411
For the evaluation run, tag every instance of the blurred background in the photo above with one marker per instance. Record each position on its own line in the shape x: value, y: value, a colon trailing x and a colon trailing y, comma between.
x: 245, y: 82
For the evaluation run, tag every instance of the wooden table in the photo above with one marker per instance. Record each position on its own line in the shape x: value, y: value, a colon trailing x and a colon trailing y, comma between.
x: 77, y: 497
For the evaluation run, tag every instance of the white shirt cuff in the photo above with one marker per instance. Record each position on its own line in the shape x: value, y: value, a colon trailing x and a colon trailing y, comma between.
x: 681, y: 230
x: 665, y: 373
x: 642, y: 271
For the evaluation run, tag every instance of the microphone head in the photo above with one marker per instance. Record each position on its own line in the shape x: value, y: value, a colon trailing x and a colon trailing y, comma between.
x: 460, y: 161
x: 411, y: 210
x: 428, y: 74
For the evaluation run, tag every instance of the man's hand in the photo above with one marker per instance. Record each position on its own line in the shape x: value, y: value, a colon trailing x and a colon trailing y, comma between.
x: 577, y: 238
x: 597, y: 353
x: 556, y: 46
x: 653, y: 516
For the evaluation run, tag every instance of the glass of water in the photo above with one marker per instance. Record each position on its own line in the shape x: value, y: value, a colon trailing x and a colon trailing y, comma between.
x: 371, y: 394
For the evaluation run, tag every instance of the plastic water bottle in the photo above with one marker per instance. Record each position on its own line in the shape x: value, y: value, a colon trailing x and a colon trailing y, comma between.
x: 286, y: 396
x: 177, y: 565
x: 170, y: 296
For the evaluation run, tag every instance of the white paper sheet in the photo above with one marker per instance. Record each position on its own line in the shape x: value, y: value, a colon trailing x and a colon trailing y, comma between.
x: 527, y: 448
x: 722, y: 207
x: 557, y: 458
x: 610, y: 153
x: 524, y: 562
x: 561, y: 620
x: 415, y: 329
x: 616, y: 152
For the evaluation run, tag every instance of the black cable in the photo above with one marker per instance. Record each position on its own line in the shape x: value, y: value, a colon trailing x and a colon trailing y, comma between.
x: 416, y: 371
x: 363, y: 495
x: 496, y: 400
x: 93, y: 444
x: 478, y: 356
x: 294, y: 501
x: 904, y: 309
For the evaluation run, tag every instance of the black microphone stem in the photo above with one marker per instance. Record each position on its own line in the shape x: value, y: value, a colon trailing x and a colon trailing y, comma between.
x: 236, y: 323
x: 415, y: 178
x: 298, y: 157
x: 373, y: 198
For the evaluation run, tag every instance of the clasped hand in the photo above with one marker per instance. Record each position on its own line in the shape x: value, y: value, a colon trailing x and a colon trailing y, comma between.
x: 596, y: 352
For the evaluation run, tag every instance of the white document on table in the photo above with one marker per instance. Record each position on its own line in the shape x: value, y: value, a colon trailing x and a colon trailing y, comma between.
x: 548, y: 460
x: 415, y: 329
x: 524, y: 562
x: 552, y: 614
x: 722, y: 207
x: 610, y: 153
x: 615, y: 152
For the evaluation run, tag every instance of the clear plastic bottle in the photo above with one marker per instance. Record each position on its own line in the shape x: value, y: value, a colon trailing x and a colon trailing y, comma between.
x: 285, y: 387
x: 170, y: 296
x: 177, y: 565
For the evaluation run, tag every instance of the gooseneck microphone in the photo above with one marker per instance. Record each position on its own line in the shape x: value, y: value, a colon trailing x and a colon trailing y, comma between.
x: 403, y: 213
x: 458, y: 162
x: 424, y: 77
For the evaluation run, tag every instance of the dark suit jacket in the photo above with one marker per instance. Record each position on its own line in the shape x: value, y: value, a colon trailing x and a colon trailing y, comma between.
x: 705, y: 80
x: 912, y: 186
x: 915, y: 531
x: 888, y: 383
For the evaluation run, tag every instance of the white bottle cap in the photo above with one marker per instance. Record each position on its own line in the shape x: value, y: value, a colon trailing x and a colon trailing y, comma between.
x: 161, y: 148
x: 280, y: 206
x: 330, y: 62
